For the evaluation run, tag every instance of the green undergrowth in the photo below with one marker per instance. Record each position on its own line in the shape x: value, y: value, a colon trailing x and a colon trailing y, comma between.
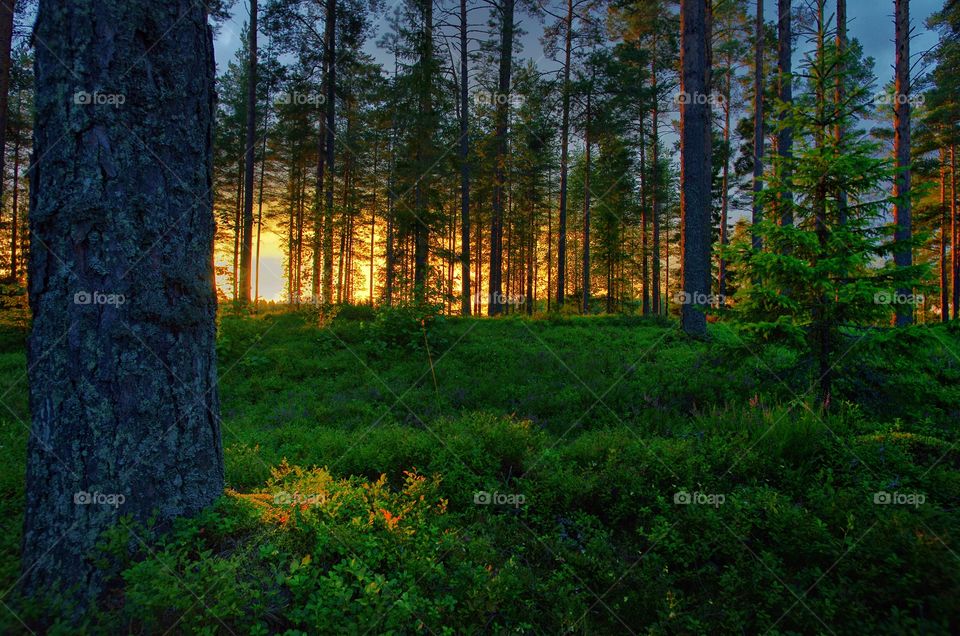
x: 389, y: 474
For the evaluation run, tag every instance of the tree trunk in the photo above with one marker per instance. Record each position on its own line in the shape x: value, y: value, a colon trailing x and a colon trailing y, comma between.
x: 695, y: 144
x: 15, y: 204
x: 330, y: 62
x: 903, y: 252
x: 944, y: 228
x: 586, y: 214
x: 122, y: 366
x: 464, y: 164
x: 644, y: 222
x: 725, y: 180
x: 655, y: 186
x: 840, y: 97
x: 7, y: 12
x: 785, y: 80
x: 496, y: 305
x: 564, y: 161
x: 758, y: 136
x: 954, y: 255
x: 246, y: 256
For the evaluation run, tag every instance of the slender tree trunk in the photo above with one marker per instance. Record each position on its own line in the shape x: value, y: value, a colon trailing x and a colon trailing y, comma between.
x: 424, y: 157
x: 758, y: 136
x: 785, y: 81
x: 954, y: 255
x: 725, y: 183
x: 656, y: 183
x: 464, y: 163
x: 564, y: 160
x: 586, y: 213
x: 246, y: 256
x: 549, y: 296
x: 263, y: 174
x: 944, y: 240
x: 496, y: 304
x: 7, y: 13
x: 822, y: 320
x: 840, y: 96
x: 695, y: 171
x: 903, y: 252
x: 644, y: 223
x: 121, y: 358
x: 15, y: 204
x: 237, y: 231
x: 330, y: 61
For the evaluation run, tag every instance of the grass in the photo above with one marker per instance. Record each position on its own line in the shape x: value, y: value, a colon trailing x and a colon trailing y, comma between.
x: 360, y: 454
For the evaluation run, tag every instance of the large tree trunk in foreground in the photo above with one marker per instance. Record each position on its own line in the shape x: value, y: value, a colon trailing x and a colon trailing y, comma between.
x: 695, y: 174
x: 122, y: 367
x: 903, y: 253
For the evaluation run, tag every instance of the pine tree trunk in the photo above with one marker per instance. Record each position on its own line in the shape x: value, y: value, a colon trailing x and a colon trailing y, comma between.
x: 655, y: 186
x: 496, y: 305
x: 840, y: 97
x: 564, y: 160
x: 758, y: 136
x: 123, y: 394
x: 903, y: 253
x: 7, y: 12
x: 695, y: 173
x: 785, y: 79
x: 586, y: 214
x: 246, y: 255
x: 330, y: 62
x: 464, y: 164
x: 944, y: 240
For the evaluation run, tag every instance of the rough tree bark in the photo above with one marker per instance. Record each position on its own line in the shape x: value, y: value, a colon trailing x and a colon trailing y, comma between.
x: 123, y: 394
x: 695, y: 144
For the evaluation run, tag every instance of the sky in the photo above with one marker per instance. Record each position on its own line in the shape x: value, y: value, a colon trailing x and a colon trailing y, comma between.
x: 869, y: 21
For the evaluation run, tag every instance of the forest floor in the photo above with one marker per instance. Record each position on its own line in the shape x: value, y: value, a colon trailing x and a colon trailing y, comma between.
x: 597, y: 475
